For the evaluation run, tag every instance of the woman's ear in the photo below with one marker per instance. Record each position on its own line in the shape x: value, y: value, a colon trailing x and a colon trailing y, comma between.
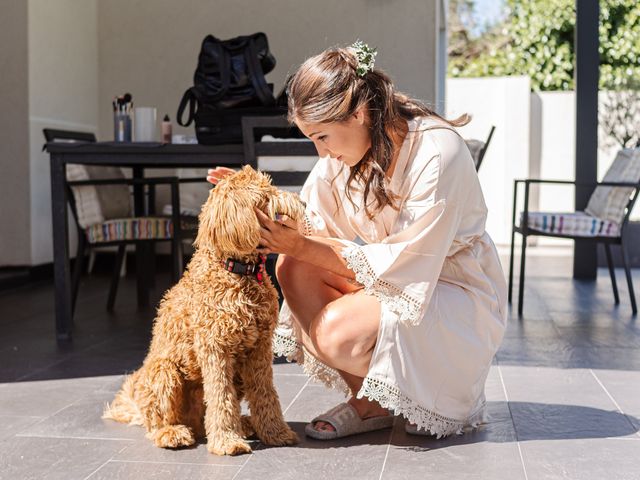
x: 360, y: 115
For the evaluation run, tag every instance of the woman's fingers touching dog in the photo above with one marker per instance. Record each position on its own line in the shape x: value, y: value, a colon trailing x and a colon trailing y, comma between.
x: 286, y: 221
x: 279, y: 236
x: 214, y: 175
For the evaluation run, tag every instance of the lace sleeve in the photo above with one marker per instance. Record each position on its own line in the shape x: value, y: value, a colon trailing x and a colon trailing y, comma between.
x: 406, y: 307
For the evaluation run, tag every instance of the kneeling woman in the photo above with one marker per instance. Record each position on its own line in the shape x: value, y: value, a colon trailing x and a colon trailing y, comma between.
x: 393, y: 291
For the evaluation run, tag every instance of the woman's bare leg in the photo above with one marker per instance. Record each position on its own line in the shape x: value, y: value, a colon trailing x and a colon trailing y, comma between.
x: 297, y: 280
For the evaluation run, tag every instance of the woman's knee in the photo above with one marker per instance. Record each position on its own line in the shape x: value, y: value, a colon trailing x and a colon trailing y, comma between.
x: 329, y: 336
x: 292, y: 273
x: 286, y: 271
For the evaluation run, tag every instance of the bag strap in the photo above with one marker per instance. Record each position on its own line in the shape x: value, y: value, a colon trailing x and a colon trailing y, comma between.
x: 256, y: 75
x: 188, y: 98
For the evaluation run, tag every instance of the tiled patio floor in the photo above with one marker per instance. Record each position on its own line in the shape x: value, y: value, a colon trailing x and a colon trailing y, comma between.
x: 563, y: 398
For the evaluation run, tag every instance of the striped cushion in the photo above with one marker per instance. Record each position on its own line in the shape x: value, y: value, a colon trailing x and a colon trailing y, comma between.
x: 577, y: 224
x: 144, y: 228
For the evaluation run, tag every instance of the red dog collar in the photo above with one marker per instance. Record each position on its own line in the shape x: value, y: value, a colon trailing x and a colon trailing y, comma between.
x: 257, y: 269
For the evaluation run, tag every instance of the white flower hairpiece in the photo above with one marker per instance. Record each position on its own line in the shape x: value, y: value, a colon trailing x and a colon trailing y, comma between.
x: 366, y: 57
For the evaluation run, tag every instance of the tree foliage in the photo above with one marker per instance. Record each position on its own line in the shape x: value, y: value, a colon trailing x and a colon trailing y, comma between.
x: 537, y: 39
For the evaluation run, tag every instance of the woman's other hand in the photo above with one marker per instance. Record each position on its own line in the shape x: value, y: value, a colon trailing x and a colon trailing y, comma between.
x: 280, y: 235
x: 214, y: 175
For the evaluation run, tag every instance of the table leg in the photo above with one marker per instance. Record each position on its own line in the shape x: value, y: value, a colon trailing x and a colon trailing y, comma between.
x: 142, y: 249
x: 62, y: 277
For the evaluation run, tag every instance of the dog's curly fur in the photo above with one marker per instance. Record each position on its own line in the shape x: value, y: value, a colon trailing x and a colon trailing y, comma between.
x: 211, y: 342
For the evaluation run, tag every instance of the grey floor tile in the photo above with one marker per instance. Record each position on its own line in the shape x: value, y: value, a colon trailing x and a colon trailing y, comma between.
x: 11, y: 425
x: 42, y: 398
x: 535, y: 352
x: 64, y: 459
x: 612, y: 459
x: 550, y: 403
x: 145, y: 451
x: 624, y: 387
x: 589, y: 336
x: 554, y: 385
x: 358, y: 459
x: 118, y: 470
x: 468, y: 457
x: 83, y: 419
x: 288, y: 387
x: 548, y: 421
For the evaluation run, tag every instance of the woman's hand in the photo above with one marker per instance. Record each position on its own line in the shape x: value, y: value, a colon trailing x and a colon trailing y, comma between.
x: 214, y: 175
x: 279, y: 236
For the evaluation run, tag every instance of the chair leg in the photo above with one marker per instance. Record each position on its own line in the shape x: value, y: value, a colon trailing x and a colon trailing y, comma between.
x: 522, y: 264
x: 176, y: 259
x: 612, y: 273
x: 123, y: 270
x: 115, y: 277
x: 627, y: 271
x: 77, y: 271
x: 150, y: 264
x: 142, y: 285
x: 92, y: 261
x: 513, y: 237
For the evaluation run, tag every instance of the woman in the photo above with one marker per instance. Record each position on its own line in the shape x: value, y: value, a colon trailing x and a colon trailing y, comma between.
x: 393, y: 291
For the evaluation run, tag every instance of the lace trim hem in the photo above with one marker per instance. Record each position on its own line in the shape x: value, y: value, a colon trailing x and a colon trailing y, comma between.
x: 406, y: 307
x: 439, y: 425
x: 289, y: 348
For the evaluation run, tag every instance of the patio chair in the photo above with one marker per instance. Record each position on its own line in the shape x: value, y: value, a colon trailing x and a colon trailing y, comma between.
x: 100, y: 202
x: 69, y: 136
x: 478, y: 148
x: 603, y: 220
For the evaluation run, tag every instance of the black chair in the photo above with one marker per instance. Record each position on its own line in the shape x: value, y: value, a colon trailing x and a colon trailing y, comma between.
x: 581, y: 226
x: 98, y: 228
x: 478, y: 148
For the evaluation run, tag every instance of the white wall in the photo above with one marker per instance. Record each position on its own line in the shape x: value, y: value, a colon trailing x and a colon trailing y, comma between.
x: 14, y: 135
x: 505, y: 103
x: 63, y: 93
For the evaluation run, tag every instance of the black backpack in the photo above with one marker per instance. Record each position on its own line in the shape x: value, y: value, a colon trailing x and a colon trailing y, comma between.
x: 230, y: 83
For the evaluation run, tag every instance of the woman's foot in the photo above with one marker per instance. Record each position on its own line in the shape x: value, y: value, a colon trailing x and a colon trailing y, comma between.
x: 365, y: 408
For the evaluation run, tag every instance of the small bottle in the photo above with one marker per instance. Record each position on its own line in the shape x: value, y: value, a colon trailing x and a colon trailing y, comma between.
x: 166, y: 129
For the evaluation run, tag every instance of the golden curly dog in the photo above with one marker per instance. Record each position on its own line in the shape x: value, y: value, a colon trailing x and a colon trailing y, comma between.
x: 211, y: 340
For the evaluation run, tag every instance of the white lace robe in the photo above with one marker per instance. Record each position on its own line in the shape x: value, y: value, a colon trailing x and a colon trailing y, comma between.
x: 435, y: 271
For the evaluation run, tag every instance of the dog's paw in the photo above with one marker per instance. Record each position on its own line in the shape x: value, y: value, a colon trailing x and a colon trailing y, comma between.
x: 247, y: 426
x: 172, y: 436
x: 279, y: 437
x: 228, y: 446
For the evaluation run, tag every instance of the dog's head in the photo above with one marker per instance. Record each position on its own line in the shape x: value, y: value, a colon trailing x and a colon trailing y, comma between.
x: 228, y: 223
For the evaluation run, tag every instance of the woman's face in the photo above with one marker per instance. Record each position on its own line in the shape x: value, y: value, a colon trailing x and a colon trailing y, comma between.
x: 347, y: 141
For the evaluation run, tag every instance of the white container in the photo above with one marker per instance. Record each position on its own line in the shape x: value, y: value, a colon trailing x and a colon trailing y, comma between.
x: 145, y: 124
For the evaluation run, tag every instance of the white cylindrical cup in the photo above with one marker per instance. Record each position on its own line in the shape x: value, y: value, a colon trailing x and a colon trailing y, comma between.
x: 145, y: 125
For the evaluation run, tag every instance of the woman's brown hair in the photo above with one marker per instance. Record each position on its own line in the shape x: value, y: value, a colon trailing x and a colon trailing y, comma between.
x: 326, y: 89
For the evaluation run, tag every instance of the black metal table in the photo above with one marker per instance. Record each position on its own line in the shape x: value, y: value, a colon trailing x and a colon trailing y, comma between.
x: 137, y: 156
